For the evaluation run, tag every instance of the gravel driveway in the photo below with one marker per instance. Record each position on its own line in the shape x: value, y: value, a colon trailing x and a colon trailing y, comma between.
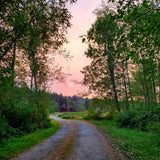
x: 88, y: 144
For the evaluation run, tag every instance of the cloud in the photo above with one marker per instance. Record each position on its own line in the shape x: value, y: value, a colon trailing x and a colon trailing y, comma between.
x: 76, y: 82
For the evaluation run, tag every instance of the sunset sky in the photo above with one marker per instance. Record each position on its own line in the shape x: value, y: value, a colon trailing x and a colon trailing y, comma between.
x: 83, y: 17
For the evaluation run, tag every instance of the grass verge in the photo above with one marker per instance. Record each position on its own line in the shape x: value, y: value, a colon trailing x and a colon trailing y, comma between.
x: 134, y: 144
x: 71, y: 115
x: 12, y: 147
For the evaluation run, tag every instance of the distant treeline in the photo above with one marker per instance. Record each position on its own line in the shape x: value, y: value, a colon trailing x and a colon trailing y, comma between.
x: 66, y: 103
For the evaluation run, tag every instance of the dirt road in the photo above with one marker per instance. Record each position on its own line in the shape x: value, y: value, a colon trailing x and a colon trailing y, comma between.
x: 75, y: 140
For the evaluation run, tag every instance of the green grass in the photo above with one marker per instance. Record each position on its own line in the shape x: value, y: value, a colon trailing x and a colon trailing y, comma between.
x: 134, y: 144
x: 71, y: 115
x: 12, y: 147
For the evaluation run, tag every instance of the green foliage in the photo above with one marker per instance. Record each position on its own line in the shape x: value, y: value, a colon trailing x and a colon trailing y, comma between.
x: 98, y: 115
x: 72, y: 115
x: 5, y: 129
x: 52, y: 108
x: 153, y: 127
x: 77, y: 105
x: 92, y: 114
x: 14, y: 146
x: 91, y: 111
x: 22, y: 115
x: 109, y: 115
x: 97, y: 108
x: 74, y: 102
x: 132, y: 143
x: 28, y: 30
x: 69, y: 117
x: 24, y: 111
x: 124, y: 51
x: 140, y: 119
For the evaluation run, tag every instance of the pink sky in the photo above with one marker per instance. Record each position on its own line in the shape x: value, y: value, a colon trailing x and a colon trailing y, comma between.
x: 83, y: 17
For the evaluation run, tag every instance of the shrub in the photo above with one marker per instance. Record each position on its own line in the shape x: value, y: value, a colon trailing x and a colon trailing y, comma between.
x: 3, y: 126
x: 144, y: 120
x: 69, y: 117
x: 123, y: 119
x: 22, y: 114
x: 6, y: 130
x: 94, y: 115
x: 108, y: 115
x: 52, y: 109
x: 98, y: 115
x: 153, y: 127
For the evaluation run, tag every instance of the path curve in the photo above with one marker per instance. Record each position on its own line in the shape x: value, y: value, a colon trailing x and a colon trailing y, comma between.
x: 43, y: 149
x: 89, y: 144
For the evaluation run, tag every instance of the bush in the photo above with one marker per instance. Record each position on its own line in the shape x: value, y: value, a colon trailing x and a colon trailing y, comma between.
x: 94, y: 115
x: 22, y: 111
x: 20, y: 116
x: 123, y: 119
x: 108, y: 115
x: 5, y: 129
x: 144, y: 120
x: 69, y: 117
x: 153, y: 127
x: 52, y: 109
x: 98, y: 115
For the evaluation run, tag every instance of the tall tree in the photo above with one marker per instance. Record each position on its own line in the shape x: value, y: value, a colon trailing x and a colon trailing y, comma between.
x: 33, y: 27
x: 102, y: 39
x: 142, y: 33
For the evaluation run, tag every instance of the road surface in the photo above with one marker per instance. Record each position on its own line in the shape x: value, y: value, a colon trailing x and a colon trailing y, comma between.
x: 75, y: 140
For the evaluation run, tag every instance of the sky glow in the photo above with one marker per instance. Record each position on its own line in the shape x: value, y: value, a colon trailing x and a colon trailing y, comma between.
x: 83, y: 17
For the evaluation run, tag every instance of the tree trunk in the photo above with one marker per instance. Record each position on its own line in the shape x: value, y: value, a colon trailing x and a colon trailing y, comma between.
x: 159, y: 79
x: 32, y: 75
x: 158, y: 76
x: 130, y: 90
x: 111, y: 69
x: 154, y: 97
x: 140, y: 76
x: 125, y: 87
x: 154, y: 90
x: 146, y: 86
x: 114, y: 89
x: 35, y: 82
x: 13, y: 64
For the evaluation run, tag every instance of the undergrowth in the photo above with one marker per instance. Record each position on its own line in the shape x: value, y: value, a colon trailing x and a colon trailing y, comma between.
x: 11, y: 147
x: 146, y: 119
x: 134, y: 144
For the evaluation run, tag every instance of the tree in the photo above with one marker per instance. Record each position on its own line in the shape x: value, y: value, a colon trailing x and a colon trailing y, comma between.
x: 33, y: 27
x: 29, y: 30
x: 103, y: 39
x: 141, y: 25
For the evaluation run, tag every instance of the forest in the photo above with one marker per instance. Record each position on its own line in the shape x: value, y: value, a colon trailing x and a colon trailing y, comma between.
x: 123, y: 77
x: 124, y: 74
x: 31, y: 33
x: 60, y: 103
